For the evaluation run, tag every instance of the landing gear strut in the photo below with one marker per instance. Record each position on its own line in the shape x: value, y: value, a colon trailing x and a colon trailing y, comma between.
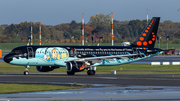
x: 26, y: 70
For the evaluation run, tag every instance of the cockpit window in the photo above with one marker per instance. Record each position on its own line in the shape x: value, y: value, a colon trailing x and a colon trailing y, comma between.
x: 16, y: 52
x: 19, y: 52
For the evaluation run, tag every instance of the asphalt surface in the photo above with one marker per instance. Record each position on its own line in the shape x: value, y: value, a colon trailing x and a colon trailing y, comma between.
x: 137, y: 93
x: 106, y: 87
x: 116, y: 80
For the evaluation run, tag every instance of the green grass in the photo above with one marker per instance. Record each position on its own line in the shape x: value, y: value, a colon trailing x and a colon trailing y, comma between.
x: 126, y: 69
x: 131, y: 67
x: 16, y: 88
x: 14, y: 69
x: 140, y: 69
x: 10, y: 46
x: 170, y: 46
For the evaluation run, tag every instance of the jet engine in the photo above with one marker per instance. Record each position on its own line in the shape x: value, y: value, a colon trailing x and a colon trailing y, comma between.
x: 74, y: 66
x: 45, y: 68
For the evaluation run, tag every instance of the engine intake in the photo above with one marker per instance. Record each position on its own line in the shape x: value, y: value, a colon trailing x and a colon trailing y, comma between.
x: 75, y: 66
x: 45, y: 68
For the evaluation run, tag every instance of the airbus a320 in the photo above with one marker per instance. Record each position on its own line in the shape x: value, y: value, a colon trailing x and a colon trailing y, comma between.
x: 79, y: 58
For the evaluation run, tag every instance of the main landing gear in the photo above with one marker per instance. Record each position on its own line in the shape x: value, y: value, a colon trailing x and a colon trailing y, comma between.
x: 91, y: 70
x: 26, y: 70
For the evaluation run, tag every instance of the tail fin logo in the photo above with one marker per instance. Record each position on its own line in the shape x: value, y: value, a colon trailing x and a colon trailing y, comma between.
x: 148, y: 36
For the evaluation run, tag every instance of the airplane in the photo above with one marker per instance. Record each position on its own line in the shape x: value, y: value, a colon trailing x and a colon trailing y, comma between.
x: 79, y: 58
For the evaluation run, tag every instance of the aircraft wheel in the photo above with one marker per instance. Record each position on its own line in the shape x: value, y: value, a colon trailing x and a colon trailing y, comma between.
x: 70, y: 73
x: 91, y: 72
x: 26, y: 72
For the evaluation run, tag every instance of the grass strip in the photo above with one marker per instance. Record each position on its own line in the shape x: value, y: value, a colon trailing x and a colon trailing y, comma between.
x: 17, y: 88
x: 120, y: 69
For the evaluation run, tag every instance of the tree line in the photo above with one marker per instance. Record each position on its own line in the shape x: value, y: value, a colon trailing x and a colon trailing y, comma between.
x: 98, y: 26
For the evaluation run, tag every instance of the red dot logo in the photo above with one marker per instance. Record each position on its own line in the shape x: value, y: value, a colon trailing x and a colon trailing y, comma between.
x: 144, y: 43
x: 150, y: 42
x: 144, y: 34
x: 153, y: 39
x: 141, y: 38
x: 139, y: 43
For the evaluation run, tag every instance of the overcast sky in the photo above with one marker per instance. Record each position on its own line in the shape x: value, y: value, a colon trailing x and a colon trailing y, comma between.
x: 54, y: 12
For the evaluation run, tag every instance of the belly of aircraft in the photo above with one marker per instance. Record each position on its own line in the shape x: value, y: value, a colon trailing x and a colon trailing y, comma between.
x: 42, y: 62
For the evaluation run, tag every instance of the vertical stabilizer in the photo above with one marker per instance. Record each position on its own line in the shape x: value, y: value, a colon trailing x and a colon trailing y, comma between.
x: 148, y: 35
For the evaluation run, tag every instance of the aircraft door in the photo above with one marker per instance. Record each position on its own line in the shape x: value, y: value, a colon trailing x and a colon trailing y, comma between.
x: 30, y: 52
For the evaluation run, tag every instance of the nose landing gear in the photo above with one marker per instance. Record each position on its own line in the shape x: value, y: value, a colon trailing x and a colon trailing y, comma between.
x: 26, y: 70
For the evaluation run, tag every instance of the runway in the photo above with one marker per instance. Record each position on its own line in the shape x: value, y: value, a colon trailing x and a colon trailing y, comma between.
x: 106, y: 87
x: 136, y: 93
x: 108, y: 80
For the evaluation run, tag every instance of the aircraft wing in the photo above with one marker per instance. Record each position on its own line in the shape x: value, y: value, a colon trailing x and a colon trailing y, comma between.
x: 102, y: 57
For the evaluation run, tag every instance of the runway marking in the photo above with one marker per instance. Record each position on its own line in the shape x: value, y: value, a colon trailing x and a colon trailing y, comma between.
x: 107, y: 77
x: 29, y: 97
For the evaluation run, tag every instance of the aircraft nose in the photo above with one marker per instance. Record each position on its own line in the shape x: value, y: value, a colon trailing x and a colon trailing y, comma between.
x: 7, y: 58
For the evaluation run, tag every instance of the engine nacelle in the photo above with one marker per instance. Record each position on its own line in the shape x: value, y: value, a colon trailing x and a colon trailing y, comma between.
x: 45, y: 68
x: 75, y: 66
